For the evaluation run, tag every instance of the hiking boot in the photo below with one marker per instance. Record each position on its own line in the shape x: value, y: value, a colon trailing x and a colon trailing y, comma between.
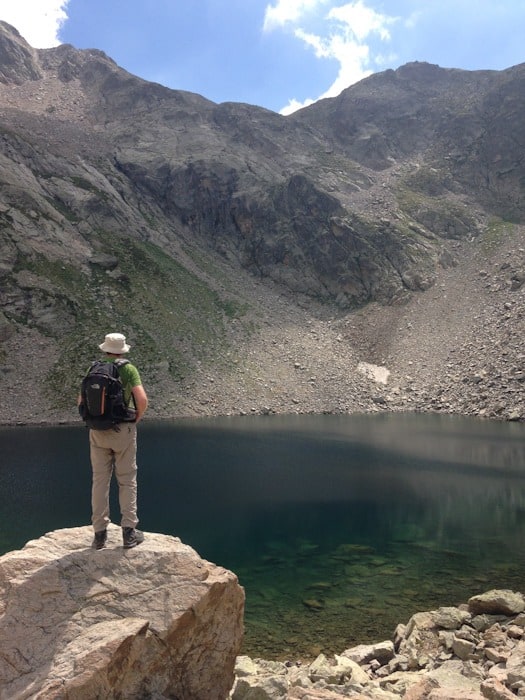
x: 131, y: 537
x: 99, y: 541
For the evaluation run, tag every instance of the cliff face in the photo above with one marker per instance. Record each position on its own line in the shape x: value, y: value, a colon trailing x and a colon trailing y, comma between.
x: 156, y: 621
x: 206, y: 232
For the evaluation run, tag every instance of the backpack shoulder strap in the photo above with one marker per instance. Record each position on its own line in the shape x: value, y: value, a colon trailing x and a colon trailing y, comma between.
x: 102, y: 366
x: 118, y: 364
x: 95, y: 363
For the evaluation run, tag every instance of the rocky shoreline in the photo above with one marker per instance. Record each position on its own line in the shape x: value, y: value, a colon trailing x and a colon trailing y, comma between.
x: 475, y: 651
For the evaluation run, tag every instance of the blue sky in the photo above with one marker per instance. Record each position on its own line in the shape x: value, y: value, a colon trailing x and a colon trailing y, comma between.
x: 278, y: 54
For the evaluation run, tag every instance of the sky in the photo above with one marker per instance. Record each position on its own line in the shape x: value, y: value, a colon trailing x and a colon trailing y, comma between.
x: 278, y: 54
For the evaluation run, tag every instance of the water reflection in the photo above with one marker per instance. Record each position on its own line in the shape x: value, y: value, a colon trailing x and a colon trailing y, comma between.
x: 338, y: 526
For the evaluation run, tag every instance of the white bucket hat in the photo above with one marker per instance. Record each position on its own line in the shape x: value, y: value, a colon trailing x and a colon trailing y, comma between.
x: 115, y: 344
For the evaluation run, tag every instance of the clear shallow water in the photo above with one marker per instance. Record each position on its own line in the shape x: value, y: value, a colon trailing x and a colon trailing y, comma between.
x: 338, y: 527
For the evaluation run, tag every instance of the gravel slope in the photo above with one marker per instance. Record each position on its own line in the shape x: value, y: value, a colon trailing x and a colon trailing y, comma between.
x: 455, y: 348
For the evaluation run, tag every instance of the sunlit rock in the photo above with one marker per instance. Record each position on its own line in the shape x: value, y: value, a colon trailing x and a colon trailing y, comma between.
x: 154, y: 621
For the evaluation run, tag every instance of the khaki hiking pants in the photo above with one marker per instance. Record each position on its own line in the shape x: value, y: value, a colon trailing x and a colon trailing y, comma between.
x: 114, y: 450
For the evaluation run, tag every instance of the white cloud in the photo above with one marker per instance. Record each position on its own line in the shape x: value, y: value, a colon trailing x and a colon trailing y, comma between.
x: 412, y: 20
x: 344, y: 36
x: 361, y: 21
x: 38, y: 21
x: 294, y: 105
x: 288, y: 11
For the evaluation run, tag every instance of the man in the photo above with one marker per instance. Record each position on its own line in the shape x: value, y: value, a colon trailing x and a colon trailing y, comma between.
x: 116, y: 450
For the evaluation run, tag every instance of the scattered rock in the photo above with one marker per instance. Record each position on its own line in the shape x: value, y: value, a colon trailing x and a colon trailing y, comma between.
x: 497, y: 603
x: 425, y: 663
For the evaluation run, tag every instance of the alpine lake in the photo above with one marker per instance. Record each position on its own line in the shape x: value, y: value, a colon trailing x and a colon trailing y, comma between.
x: 338, y: 527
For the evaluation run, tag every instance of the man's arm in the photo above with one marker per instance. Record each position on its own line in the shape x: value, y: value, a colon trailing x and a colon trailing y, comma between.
x: 141, y: 400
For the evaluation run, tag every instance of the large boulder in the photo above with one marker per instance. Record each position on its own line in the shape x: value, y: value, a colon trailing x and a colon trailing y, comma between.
x: 155, y: 621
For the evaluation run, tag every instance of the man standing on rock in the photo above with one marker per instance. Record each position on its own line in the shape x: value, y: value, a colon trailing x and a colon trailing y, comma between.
x: 114, y: 448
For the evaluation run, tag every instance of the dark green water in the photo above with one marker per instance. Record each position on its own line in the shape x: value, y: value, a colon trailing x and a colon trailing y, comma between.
x: 338, y: 527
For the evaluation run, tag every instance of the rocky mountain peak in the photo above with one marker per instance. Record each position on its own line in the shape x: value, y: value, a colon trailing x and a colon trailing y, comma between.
x: 370, y: 198
x: 18, y: 60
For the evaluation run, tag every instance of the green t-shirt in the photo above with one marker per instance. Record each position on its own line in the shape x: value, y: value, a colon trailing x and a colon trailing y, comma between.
x: 130, y: 378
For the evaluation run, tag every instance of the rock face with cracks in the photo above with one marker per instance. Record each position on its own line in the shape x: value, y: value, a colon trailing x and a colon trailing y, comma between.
x: 156, y: 621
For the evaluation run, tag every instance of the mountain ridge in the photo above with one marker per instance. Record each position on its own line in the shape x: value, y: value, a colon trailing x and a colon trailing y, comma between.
x: 211, y: 234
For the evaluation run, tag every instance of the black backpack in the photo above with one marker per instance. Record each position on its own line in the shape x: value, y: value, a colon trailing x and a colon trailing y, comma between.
x: 102, y: 405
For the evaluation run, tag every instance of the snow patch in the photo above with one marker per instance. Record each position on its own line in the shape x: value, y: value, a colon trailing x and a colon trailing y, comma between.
x: 375, y: 372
